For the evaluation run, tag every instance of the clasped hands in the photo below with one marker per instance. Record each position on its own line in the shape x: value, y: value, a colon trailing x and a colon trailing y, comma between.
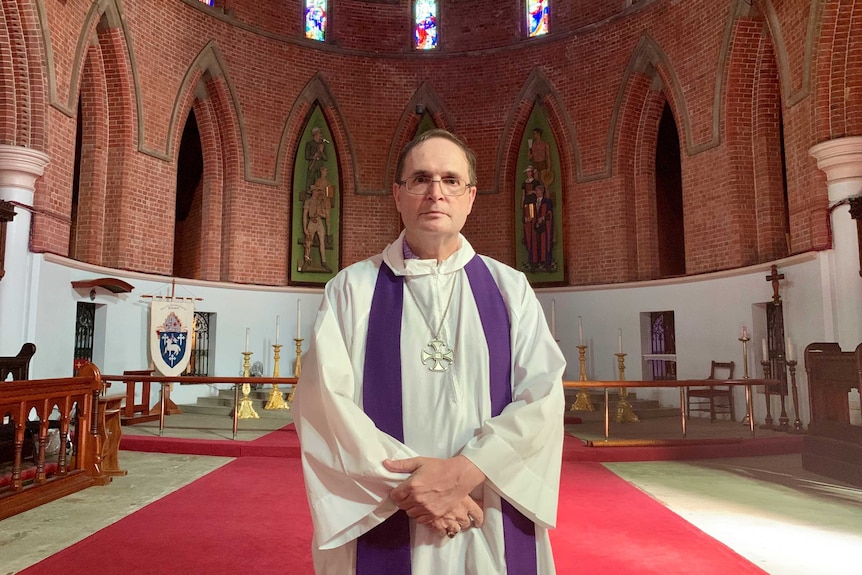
x: 437, y: 493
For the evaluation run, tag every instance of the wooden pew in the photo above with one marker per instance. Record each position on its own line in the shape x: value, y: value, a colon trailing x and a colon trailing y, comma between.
x: 833, y: 446
x: 77, y: 400
x: 17, y: 365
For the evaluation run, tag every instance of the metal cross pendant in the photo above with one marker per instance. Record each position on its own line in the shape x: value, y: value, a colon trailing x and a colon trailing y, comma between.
x: 439, y: 352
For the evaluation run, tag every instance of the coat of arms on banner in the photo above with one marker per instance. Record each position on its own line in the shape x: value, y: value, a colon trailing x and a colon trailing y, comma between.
x: 171, y: 323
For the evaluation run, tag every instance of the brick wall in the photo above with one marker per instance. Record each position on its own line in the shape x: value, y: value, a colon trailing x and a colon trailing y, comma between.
x: 602, y: 73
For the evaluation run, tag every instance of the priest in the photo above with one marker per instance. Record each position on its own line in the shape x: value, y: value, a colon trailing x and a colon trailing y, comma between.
x: 430, y: 407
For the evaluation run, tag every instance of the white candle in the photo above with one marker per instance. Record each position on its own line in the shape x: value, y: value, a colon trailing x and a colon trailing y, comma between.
x: 246, y: 338
x: 789, y: 349
x: 620, y: 339
x: 298, y: 320
x: 554, y: 318
x: 276, y: 330
x: 581, y: 330
x: 765, y: 349
x: 744, y: 333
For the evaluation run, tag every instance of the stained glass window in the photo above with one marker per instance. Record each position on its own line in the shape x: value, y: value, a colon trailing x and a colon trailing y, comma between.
x: 537, y: 17
x: 425, y: 24
x: 315, y: 19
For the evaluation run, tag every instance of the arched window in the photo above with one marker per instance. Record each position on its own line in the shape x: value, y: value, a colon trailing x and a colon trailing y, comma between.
x: 537, y: 17
x: 315, y: 19
x: 425, y: 24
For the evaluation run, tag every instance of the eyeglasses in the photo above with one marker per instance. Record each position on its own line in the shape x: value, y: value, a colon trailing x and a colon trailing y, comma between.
x: 420, y: 185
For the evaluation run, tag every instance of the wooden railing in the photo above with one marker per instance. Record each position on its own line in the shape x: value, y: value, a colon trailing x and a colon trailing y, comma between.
x: 76, y: 400
x: 681, y: 384
x: 132, y: 379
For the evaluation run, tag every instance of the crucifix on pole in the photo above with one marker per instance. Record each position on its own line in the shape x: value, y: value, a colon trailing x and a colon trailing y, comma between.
x: 775, y: 278
x: 775, y: 360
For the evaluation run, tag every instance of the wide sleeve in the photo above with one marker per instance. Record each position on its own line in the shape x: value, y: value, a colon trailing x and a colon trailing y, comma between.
x: 342, y: 451
x: 520, y: 450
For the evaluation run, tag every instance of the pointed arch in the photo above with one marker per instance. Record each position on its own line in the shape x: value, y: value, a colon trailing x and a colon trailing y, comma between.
x: 317, y: 91
x: 424, y: 101
x: 21, y: 76
x: 317, y: 94
x: 641, y: 103
x: 88, y: 212
x: 121, y: 99
x: 753, y: 115
x: 538, y: 89
x: 206, y: 88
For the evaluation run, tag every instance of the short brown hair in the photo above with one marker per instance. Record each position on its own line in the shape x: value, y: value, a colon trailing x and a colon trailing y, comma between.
x: 438, y: 133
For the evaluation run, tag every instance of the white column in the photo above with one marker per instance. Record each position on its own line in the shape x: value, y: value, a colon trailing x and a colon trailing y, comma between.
x: 841, y: 161
x: 19, y: 168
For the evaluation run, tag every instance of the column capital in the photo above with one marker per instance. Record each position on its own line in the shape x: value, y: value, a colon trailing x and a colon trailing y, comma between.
x: 20, y: 166
x: 840, y: 159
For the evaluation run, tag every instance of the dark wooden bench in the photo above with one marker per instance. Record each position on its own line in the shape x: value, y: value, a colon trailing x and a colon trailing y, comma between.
x: 833, y: 445
x: 82, y: 425
x: 16, y: 367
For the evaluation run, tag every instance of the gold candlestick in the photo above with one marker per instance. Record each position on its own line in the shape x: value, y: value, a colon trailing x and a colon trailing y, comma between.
x: 749, y: 396
x: 797, y: 424
x: 276, y: 399
x: 245, y: 409
x: 783, y: 420
x: 624, y: 408
x: 297, y: 368
x: 582, y: 401
x: 767, y: 371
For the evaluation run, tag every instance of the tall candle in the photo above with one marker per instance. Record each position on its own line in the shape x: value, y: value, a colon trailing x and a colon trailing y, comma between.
x: 554, y: 318
x: 789, y: 349
x: 581, y: 330
x: 298, y: 320
x: 246, y: 338
x: 276, y: 330
x: 744, y: 333
x: 765, y: 349
x: 620, y: 339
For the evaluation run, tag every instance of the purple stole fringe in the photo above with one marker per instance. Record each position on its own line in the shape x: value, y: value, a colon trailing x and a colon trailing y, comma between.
x: 385, y: 550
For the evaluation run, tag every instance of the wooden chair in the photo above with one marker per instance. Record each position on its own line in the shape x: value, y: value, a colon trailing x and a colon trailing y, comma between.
x: 17, y: 365
x: 717, y: 400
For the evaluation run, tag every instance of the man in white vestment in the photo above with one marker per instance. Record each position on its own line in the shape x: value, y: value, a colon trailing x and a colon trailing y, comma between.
x: 430, y: 406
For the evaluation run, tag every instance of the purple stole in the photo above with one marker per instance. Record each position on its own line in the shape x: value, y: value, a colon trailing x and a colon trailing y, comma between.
x: 385, y: 550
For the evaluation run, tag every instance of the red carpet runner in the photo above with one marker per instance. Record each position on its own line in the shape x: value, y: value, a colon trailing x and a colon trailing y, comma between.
x: 250, y: 517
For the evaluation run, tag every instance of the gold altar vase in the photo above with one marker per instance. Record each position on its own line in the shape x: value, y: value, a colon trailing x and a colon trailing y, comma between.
x: 624, y: 408
x: 245, y: 409
x: 582, y: 401
x: 276, y: 399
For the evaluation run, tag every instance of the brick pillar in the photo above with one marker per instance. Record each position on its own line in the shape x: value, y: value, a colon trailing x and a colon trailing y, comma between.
x: 19, y: 168
x: 841, y: 161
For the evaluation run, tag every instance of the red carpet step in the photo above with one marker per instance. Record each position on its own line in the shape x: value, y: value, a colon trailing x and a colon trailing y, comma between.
x: 251, y: 517
x: 285, y: 443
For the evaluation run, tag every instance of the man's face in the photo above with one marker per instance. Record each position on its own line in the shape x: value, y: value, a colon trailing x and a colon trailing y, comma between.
x: 434, y: 213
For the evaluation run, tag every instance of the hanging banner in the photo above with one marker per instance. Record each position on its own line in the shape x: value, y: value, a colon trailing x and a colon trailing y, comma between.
x: 171, y: 325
